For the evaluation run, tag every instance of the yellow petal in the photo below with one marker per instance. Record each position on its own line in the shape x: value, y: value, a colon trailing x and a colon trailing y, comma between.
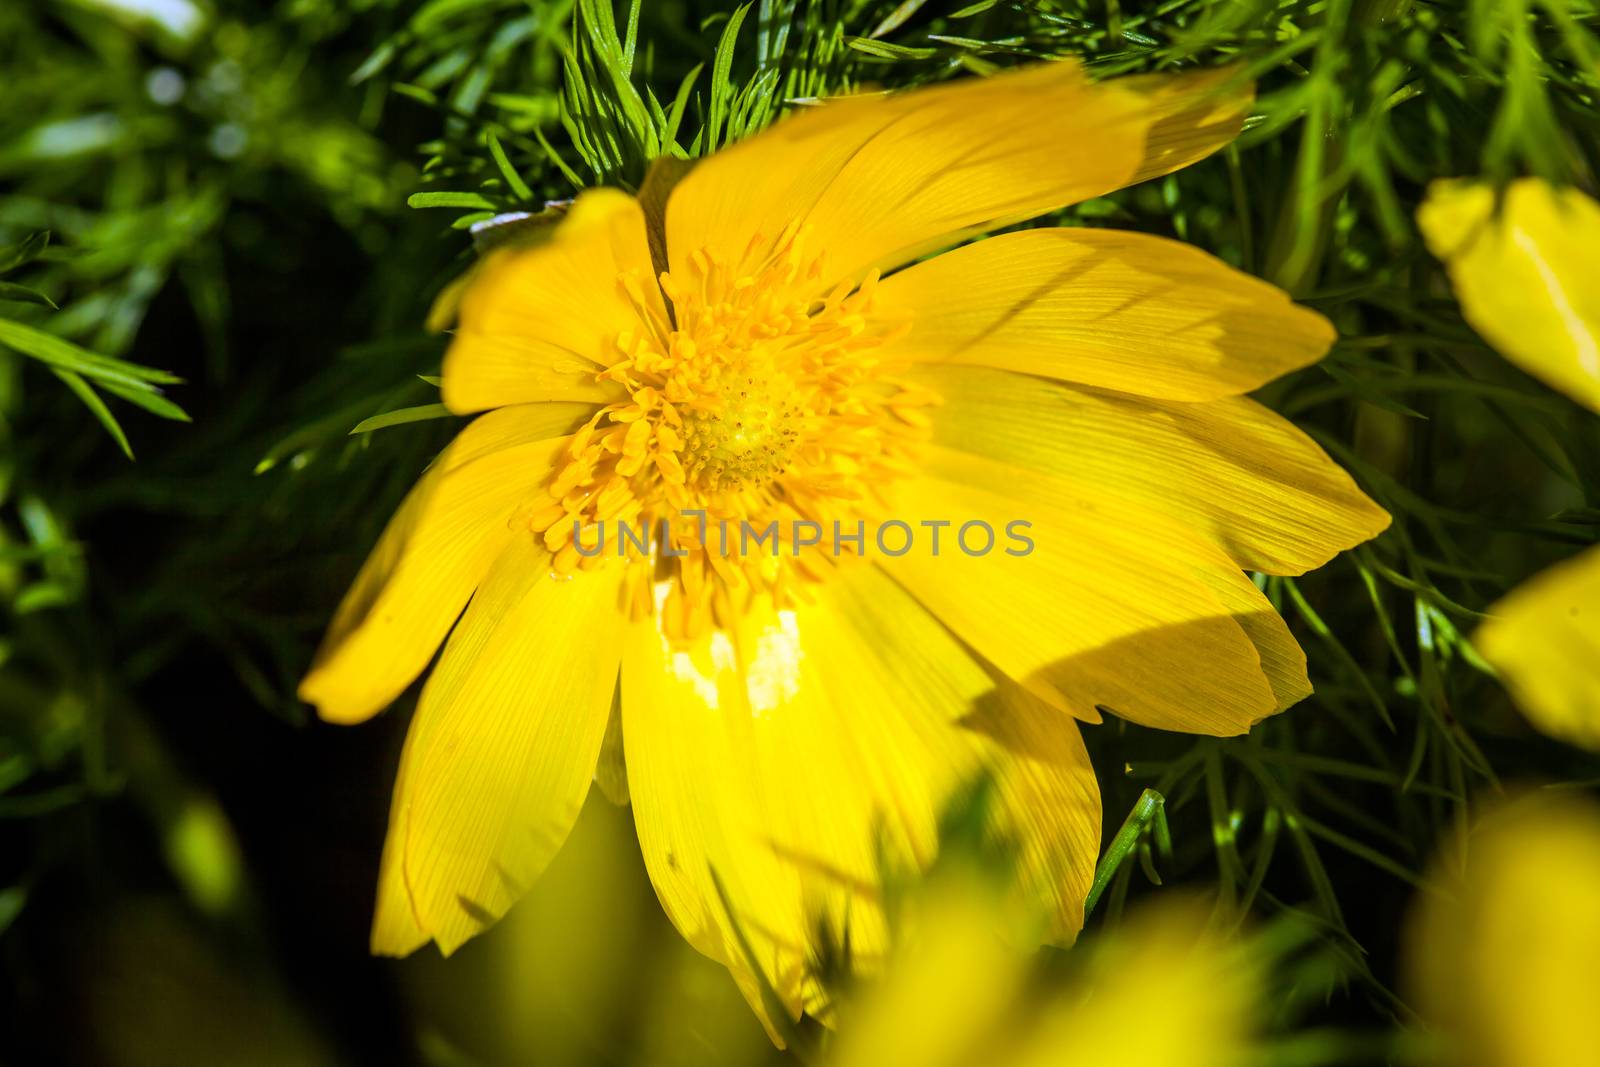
x: 1283, y: 661
x: 1544, y: 639
x: 1124, y: 311
x: 431, y: 555
x: 1113, y: 607
x: 1196, y: 113
x: 1501, y: 960
x: 502, y: 750
x: 1525, y: 276
x: 877, y: 180
x: 791, y: 756
x: 611, y: 772
x: 1232, y: 470
x: 1050, y: 803
x: 537, y: 321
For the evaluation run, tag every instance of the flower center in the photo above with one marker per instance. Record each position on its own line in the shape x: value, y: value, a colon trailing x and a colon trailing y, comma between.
x: 757, y: 407
x: 748, y: 438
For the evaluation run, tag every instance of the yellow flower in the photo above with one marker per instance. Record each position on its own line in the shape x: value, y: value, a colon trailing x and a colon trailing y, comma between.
x: 1502, y: 960
x: 1524, y: 271
x: 957, y: 993
x: 1544, y: 639
x: 792, y: 720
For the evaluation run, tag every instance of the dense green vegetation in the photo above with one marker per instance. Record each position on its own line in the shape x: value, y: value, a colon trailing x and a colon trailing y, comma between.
x: 221, y: 228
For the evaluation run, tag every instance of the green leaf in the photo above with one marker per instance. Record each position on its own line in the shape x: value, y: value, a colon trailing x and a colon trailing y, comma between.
x: 1349, y: 662
x: 631, y: 45
x: 151, y: 401
x: 417, y: 93
x: 721, y: 87
x: 92, y: 401
x: 467, y: 200
x: 896, y: 18
x: 669, y: 132
x: 519, y: 188
x: 401, y: 416
x: 555, y: 157
x: 57, y: 352
x: 374, y: 63
x: 1148, y: 816
x: 23, y: 294
x: 885, y: 50
x: 23, y: 252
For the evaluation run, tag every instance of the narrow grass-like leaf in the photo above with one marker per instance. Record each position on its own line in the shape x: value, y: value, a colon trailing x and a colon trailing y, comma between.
x: 401, y: 416
x: 1146, y: 810
x: 886, y: 50
x: 24, y: 251
x: 92, y: 401
x: 669, y: 131
x: 1322, y: 630
x: 24, y: 294
x: 58, y: 352
x: 149, y: 400
x: 456, y: 200
x: 896, y: 18
x: 722, y: 92
x: 555, y: 157
x: 519, y: 188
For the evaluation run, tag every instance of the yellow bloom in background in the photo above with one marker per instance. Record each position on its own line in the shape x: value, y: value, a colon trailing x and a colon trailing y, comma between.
x: 1527, y: 273
x: 1157, y: 992
x: 1163, y: 990
x: 1502, y: 960
x: 1544, y: 639
x: 792, y: 721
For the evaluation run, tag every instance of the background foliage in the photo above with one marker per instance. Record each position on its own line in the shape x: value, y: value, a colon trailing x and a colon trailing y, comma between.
x: 221, y: 225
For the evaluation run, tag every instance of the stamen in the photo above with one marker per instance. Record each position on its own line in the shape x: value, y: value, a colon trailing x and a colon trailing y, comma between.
x: 760, y: 404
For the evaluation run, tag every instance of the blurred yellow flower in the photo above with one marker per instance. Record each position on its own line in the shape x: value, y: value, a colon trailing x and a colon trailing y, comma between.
x: 1544, y: 639
x: 1525, y: 271
x: 793, y: 714
x: 1159, y: 991
x: 1502, y: 962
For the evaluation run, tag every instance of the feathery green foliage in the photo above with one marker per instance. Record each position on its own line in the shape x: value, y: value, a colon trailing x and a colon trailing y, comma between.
x: 225, y: 192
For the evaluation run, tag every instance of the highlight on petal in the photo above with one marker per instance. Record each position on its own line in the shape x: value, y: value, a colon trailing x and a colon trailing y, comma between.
x: 1109, y: 606
x: 501, y: 752
x: 875, y: 181
x: 431, y: 556
x: 1500, y: 959
x: 797, y: 755
x: 537, y: 321
x: 1544, y: 639
x: 1524, y: 270
x: 1233, y: 471
x: 1124, y: 311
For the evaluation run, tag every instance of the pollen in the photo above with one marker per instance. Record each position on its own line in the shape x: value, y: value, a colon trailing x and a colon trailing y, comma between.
x: 754, y: 401
x: 746, y: 440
